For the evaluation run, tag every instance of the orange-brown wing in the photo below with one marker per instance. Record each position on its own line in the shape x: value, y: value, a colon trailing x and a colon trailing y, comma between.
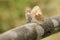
x: 39, y: 17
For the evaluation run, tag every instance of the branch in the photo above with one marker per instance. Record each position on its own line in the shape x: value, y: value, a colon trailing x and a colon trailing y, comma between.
x: 33, y: 31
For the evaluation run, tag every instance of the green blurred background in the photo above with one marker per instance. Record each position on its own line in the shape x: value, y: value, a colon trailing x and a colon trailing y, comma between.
x: 12, y: 12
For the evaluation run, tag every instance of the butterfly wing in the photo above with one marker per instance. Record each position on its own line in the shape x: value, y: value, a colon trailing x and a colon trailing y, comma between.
x: 28, y: 14
x: 37, y: 14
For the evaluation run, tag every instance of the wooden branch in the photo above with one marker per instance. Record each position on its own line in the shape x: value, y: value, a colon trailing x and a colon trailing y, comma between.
x: 33, y: 31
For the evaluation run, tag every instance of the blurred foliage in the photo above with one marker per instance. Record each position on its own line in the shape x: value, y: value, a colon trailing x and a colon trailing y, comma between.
x: 12, y: 12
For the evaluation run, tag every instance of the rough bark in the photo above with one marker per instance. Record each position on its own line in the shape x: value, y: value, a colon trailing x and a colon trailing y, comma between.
x: 33, y: 31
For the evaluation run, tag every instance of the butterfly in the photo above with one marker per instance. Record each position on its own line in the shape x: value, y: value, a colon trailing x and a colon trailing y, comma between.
x: 35, y: 14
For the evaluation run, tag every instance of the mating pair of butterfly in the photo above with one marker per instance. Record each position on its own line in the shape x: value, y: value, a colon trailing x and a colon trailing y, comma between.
x: 34, y: 15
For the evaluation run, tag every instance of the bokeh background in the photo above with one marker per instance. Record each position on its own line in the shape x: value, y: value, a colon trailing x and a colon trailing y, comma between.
x: 12, y: 12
